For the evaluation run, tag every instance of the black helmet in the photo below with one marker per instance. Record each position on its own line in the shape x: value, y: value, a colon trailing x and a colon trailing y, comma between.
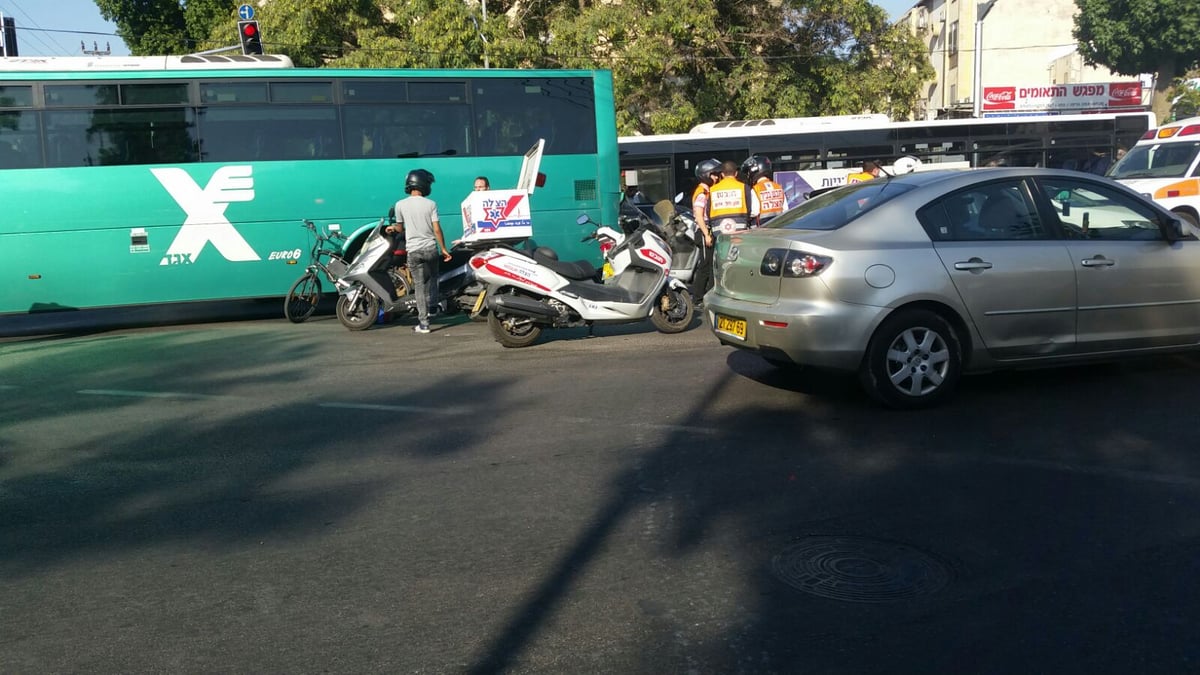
x: 419, y: 179
x: 756, y: 166
x: 707, y: 167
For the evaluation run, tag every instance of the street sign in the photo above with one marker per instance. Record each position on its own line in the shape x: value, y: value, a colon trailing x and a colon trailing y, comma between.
x: 245, y: 12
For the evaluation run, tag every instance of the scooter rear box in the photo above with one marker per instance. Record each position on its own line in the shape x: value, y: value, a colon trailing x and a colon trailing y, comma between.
x: 496, y: 214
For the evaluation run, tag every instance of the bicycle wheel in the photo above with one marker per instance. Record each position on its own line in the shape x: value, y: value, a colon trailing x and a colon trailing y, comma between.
x: 302, y: 298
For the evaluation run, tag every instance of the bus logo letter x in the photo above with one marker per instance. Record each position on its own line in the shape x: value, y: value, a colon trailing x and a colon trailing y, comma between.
x: 205, y: 211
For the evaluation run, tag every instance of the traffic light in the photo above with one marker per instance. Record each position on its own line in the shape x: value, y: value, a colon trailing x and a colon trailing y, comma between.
x: 250, y: 37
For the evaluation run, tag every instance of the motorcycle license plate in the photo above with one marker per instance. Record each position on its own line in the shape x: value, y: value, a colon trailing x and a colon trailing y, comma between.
x: 731, y: 326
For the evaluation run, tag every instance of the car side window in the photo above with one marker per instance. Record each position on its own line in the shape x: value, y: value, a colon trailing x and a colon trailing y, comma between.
x: 1092, y: 210
x: 998, y: 211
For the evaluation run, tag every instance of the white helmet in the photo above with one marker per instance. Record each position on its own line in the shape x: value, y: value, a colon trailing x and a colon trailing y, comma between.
x: 906, y: 164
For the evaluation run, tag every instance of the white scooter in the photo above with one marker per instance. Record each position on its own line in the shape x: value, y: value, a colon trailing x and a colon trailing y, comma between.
x: 529, y: 292
x: 675, y: 224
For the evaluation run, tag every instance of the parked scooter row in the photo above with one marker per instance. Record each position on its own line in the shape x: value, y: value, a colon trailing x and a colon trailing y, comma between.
x: 529, y: 290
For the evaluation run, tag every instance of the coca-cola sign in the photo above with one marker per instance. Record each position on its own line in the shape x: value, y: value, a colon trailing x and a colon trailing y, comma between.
x: 1125, y: 93
x: 999, y: 98
x: 1082, y: 96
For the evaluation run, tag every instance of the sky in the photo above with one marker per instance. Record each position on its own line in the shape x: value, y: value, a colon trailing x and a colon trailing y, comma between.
x: 56, y: 27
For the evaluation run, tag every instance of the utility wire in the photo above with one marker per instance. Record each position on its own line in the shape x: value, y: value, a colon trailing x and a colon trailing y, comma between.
x: 35, y: 23
x: 606, y: 57
x: 40, y: 43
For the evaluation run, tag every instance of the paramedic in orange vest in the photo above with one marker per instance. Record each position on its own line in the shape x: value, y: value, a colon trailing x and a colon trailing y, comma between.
x: 869, y: 171
x: 707, y: 172
x: 771, y: 199
x: 731, y: 207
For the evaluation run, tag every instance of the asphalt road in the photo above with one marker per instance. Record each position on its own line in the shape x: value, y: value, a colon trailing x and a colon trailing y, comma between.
x: 265, y: 497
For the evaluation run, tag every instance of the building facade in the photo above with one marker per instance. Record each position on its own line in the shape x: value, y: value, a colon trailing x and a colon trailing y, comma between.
x: 976, y: 45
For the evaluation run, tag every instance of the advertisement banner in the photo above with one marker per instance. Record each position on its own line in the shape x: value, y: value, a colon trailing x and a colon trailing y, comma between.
x: 1065, y: 97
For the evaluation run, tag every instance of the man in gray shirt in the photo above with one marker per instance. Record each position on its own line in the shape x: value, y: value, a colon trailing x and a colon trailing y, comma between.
x: 417, y: 218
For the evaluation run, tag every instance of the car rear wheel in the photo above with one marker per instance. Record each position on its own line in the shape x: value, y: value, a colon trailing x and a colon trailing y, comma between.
x: 914, y: 360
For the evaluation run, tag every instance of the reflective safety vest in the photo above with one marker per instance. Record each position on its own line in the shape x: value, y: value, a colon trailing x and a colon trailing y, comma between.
x: 860, y: 177
x: 700, y: 197
x: 700, y: 200
x: 727, y: 207
x: 771, y: 199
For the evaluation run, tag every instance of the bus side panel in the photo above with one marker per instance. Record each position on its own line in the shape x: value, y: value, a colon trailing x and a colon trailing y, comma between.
x: 109, y: 236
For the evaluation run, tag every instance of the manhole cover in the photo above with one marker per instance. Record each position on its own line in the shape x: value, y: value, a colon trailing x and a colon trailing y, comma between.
x: 857, y: 569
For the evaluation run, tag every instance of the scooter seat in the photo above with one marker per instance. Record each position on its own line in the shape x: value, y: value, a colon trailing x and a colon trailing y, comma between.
x: 600, y: 292
x: 580, y: 270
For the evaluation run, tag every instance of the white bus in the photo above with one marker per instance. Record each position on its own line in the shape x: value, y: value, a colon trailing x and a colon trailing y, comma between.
x: 819, y: 152
x: 1165, y: 165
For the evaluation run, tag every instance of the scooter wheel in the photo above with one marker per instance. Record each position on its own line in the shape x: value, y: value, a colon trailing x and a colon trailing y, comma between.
x: 513, y: 331
x: 673, y: 311
x: 360, y: 314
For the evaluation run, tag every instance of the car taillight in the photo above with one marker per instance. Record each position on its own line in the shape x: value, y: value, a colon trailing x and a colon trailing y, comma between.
x: 793, y: 264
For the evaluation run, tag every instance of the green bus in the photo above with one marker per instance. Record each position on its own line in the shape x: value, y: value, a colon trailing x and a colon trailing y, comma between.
x: 130, y: 183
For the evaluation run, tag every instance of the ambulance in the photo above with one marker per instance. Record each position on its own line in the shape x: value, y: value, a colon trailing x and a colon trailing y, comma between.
x: 1165, y: 166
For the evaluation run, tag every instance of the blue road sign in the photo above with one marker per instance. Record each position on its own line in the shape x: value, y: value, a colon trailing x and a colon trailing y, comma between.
x: 245, y: 12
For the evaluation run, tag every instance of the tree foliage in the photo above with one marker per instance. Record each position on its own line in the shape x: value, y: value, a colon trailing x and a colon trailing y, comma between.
x: 1131, y: 37
x: 675, y: 63
x: 163, y: 26
x: 1186, y: 102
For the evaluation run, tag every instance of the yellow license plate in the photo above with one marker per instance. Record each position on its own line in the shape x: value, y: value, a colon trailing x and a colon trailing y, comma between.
x: 731, y: 326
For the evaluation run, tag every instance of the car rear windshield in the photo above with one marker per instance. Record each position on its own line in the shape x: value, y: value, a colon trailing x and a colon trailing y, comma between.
x: 838, y: 207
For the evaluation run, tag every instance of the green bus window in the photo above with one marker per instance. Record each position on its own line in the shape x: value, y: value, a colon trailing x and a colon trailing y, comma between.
x: 301, y: 92
x: 16, y: 97
x: 512, y: 114
x: 267, y: 133
x: 407, y: 130
x: 437, y: 92
x: 109, y: 137
x: 374, y: 91
x: 20, y: 140
x: 81, y: 95
x: 168, y: 93
x: 233, y: 92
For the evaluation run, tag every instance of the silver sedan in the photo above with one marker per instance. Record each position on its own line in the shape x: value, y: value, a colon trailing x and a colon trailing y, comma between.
x: 913, y: 280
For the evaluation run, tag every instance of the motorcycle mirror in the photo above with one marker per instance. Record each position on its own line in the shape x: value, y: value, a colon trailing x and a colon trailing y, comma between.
x: 679, y: 198
x: 583, y: 219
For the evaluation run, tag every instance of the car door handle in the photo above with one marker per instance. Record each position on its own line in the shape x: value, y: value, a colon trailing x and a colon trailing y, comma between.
x: 973, y: 264
x: 1098, y: 261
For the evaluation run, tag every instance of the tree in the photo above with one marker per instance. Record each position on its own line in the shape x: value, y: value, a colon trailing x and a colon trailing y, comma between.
x: 151, y: 27
x: 1186, y: 102
x: 675, y: 63
x: 1131, y: 37
x: 680, y: 62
